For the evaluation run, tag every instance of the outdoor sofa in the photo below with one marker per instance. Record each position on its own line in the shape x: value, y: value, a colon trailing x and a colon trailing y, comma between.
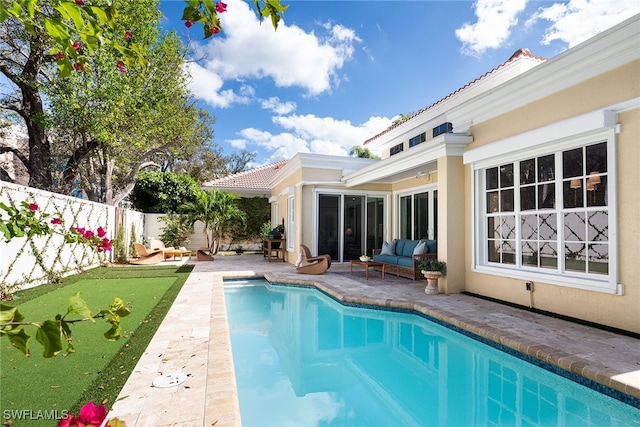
x: 402, y: 257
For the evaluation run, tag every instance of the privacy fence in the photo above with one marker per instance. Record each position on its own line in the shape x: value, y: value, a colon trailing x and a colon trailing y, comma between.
x: 27, y: 262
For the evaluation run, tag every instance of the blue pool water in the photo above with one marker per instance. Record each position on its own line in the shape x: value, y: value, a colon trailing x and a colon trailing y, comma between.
x: 303, y: 359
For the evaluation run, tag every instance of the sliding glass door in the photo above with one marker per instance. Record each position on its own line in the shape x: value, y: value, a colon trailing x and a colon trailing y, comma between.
x: 349, y: 225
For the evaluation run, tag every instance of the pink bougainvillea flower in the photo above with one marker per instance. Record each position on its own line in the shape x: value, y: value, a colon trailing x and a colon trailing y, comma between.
x: 76, y: 45
x: 121, y: 67
x: 33, y: 207
x: 88, y: 234
x: 80, y: 2
x: 67, y: 421
x: 56, y: 221
x: 188, y: 24
x: 106, y: 244
x: 128, y: 35
x: 92, y: 415
x: 77, y: 66
x: 101, y: 233
x: 221, y: 7
x: 58, y: 56
x: 214, y: 29
x: 78, y: 230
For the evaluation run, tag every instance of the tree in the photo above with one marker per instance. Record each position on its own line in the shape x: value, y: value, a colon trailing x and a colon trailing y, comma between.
x: 258, y: 212
x: 41, y: 38
x: 163, y: 192
x: 217, y: 212
x: 132, y: 118
x: 363, y: 153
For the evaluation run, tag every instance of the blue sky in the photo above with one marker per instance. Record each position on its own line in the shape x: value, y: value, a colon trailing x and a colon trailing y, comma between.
x: 337, y: 72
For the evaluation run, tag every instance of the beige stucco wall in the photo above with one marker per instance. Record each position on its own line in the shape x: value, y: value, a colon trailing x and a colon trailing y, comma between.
x: 608, y: 89
x: 619, y: 311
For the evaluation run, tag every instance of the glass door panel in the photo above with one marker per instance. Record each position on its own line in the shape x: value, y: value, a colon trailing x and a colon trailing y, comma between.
x: 328, y: 225
x: 353, y: 227
x: 375, y: 224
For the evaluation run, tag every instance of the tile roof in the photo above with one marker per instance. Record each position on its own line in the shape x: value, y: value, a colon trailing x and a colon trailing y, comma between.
x: 517, y: 54
x: 255, y: 179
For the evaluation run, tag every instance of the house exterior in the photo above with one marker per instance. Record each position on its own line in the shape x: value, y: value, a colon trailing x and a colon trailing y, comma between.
x: 527, y: 177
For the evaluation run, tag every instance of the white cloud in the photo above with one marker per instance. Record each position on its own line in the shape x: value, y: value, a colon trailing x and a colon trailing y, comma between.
x: 496, y: 18
x: 273, y: 104
x: 310, y: 134
x: 579, y: 20
x: 250, y: 50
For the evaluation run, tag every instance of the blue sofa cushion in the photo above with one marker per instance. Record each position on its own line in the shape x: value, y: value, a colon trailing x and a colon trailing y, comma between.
x: 405, y: 261
x: 399, y: 246
x: 389, y: 259
x: 432, y: 246
x: 408, y: 247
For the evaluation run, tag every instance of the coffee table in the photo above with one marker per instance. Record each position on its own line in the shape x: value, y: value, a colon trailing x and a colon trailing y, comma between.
x: 366, y: 265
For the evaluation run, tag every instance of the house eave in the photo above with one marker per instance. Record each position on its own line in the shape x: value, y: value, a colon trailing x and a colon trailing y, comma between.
x: 320, y: 161
x: 419, y: 159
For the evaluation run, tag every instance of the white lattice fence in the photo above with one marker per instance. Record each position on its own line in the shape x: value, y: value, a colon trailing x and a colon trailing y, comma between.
x: 26, y: 262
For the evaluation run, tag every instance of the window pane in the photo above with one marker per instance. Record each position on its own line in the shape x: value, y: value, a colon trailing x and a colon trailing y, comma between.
x: 528, y: 171
x: 529, y: 227
x: 573, y: 193
x: 572, y: 163
x: 506, y: 175
x: 493, y: 230
x: 508, y: 252
x: 597, y: 190
x: 492, y: 202
x: 493, y: 252
x: 508, y: 227
x: 599, y: 259
x: 546, y: 168
x: 597, y: 158
x: 492, y: 178
x: 528, y: 198
x: 574, y: 259
x: 574, y: 226
x: 549, y: 255
x: 548, y: 226
x: 598, y: 226
x: 506, y: 202
x: 530, y: 253
x: 546, y: 196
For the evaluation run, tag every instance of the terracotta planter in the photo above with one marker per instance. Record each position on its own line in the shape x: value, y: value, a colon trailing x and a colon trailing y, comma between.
x: 432, y: 282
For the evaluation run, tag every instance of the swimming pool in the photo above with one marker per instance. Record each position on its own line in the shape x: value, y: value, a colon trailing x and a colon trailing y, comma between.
x: 303, y: 359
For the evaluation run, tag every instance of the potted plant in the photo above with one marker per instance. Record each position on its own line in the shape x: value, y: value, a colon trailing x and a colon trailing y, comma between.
x: 432, y: 269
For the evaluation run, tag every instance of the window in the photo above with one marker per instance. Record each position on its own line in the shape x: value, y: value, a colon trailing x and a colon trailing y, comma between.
x: 396, y: 149
x: 549, y: 213
x: 443, y: 128
x: 417, y: 139
x: 418, y: 216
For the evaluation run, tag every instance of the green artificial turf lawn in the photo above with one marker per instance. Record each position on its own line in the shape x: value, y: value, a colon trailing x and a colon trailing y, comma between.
x: 99, y: 368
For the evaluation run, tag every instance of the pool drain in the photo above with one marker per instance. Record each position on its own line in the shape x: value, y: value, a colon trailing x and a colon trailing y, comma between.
x: 169, y: 380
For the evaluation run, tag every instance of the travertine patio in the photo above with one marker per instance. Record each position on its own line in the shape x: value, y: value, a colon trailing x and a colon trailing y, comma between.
x: 194, y: 340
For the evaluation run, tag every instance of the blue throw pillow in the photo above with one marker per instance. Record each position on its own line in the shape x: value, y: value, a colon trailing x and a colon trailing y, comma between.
x: 420, y: 249
x: 388, y: 248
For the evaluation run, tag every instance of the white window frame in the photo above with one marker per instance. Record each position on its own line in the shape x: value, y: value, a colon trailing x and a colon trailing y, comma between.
x: 594, y: 282
x: 412, y: 192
